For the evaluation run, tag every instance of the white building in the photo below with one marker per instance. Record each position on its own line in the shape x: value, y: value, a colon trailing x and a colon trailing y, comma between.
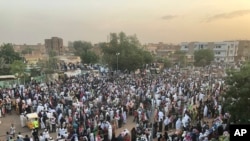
x: 223, y: 51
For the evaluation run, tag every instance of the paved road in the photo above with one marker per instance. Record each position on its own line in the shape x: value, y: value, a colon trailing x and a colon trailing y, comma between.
x: 14, y: 118
x: 6, y: 123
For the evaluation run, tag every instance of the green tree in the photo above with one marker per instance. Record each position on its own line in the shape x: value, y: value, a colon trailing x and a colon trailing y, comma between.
x: 180, y: 58
x: 18, y: 68
x: 89, y: 57
x: 7, y: 52
x: 82, y: 49
x: 203, y: 57
x: 4, y: 68
x: 2, y: 63
x: 237, y: 95
x: 125, y: 52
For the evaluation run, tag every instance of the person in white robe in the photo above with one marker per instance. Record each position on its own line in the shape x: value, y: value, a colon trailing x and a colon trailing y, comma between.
x: 110, y: 132
x: 185, y: 120
x: 205, y: 111
x: 42, y: 123
x: 23, y: 120
x: 124, y: 115
x: 91, y: 137
x: 178, y: 124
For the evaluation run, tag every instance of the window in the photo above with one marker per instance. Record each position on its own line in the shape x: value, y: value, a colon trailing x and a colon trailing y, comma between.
x: 217, y: 52
x: 231, y: 51
x: 217, y: 46
x: 201, y: 46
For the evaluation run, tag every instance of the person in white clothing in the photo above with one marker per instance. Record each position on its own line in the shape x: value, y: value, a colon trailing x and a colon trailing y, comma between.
x: 178, y: 124
x: 160, y: 115
x: 166, y: 122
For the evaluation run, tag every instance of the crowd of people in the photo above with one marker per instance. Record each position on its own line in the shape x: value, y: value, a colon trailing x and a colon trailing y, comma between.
x: 172, y: 105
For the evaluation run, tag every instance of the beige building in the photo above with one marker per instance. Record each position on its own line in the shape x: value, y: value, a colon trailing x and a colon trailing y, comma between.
x: 54, y: 44
x: 69, y: 59
x: 33, y: 48
x: 31, y: 53
x: 243, y: 51
x: 161, y: 49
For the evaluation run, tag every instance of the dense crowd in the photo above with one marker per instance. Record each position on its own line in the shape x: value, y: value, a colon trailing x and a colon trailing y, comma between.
x: 172, y: 105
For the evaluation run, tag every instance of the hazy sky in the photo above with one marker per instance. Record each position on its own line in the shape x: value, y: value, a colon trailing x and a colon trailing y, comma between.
x: 169, y: 21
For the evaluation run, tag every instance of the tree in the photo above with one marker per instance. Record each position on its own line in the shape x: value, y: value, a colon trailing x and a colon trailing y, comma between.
x: 4, y: 68
x: 180, y: 58
x: 89, y: 57
x: 2, y: 63
x: 7, y: 52
x: 17, y: 68
x: 237, y: 95
x: 125, y: 52
x: 82, y: 49
x: 203, y: 57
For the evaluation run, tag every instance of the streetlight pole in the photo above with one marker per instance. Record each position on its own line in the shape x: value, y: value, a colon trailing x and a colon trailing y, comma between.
x: 117, y: 54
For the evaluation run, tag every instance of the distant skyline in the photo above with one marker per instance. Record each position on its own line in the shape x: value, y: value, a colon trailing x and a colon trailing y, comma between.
x: 153, y: 21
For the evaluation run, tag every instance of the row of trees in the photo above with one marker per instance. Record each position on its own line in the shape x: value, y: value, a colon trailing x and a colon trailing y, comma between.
x: 132, y: 55
x: 127, y: 49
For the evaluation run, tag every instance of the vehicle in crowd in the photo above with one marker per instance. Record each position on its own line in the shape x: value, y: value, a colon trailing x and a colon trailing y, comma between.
x: 30, y: 118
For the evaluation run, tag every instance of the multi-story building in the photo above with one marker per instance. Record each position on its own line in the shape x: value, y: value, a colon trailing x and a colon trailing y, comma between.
x: 243, y: 51
x: 226, y: 51
x: 54, y: 44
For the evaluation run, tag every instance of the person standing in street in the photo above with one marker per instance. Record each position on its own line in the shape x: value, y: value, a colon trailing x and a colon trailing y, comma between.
x: 36, y: 124
x: 12, y: 130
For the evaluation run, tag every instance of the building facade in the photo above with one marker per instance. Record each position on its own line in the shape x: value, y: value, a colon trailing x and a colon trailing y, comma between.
x: 162, y: 50
x: 54, y: 44
x: 243, y: 51
x: 31, y: 53
x: 224, y: 52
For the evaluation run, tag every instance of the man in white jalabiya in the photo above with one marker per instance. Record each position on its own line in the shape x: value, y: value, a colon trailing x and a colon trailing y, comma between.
x: 178, y: 124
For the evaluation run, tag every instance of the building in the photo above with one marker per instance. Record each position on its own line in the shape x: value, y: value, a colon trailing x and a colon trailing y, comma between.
x: 225, y: 51
x: 161, y: 49
x: 29, y: 49
x: 243, y: 51
x: 54, y: 44
x: 31, y: 53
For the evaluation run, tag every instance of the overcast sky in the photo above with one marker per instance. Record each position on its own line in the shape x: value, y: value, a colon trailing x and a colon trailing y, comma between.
x: 153, y: 21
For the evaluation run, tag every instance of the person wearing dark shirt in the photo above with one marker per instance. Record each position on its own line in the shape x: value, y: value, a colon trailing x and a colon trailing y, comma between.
x: 160, y: 125
x: 26, y: 138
